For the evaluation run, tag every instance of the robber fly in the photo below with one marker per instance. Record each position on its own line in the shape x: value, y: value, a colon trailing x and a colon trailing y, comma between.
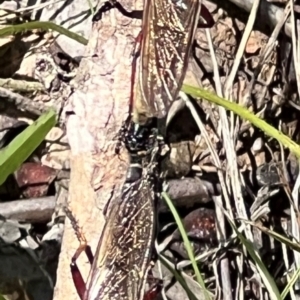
x: 122, y: 260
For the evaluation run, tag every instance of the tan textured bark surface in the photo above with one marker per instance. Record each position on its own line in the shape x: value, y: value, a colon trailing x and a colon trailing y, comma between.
x: 100, y: 104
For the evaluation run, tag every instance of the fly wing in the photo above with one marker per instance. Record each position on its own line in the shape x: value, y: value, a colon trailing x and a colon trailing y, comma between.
x: 169, y: 28
x: 124, y: 250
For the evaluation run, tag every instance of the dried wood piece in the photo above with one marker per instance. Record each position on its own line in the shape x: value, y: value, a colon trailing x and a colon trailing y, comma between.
x: 97, y: 110
x: 37, y: 210
x: 184, y: 192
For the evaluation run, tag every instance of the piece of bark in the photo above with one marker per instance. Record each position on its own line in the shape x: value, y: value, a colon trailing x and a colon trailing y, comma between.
x: 98, y: 107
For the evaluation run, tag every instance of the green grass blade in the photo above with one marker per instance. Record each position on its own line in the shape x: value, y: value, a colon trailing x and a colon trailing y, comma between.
x: 187, y: 243
x: 265, y: 275
x: 284, y: 240
x: 14, y: 29
x: 178, y: 277
x: 12, y: 156
x: 290, y: 284
x: 246, y: 115
x: 279, y: 237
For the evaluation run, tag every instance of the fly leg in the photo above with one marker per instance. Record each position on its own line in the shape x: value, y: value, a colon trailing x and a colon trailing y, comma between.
x: 155, y: 287
x: 138, y: 14
x: 108, y: 5
x: 153, y: 292
x: 83, y: 247
x: 206, y: 15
